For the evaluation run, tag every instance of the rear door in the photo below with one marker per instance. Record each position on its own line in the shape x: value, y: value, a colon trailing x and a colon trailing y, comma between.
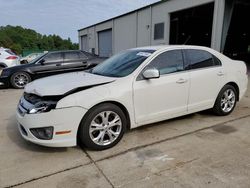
x: 74, y: 60
x: 206, y: 79
x: 164, y: 97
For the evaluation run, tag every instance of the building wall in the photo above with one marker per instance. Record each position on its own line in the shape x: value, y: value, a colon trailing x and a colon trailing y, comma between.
x: 125, y: 32
x: 137, y: 28
x: 144, y: 27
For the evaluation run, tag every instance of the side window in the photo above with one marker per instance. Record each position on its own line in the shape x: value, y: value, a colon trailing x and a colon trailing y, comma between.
x: 82, y: 55
x: 168, y: 62
x: 53, y: 57
x: 71, y: 56
x: 199, y: 59
x: 159, y: 31
x: 216, y: 61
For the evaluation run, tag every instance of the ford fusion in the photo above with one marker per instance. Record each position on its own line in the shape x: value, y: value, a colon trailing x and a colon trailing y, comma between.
x: 133, y: 88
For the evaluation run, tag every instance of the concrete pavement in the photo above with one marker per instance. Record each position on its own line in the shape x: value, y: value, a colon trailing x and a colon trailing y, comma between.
x: 198, y: 150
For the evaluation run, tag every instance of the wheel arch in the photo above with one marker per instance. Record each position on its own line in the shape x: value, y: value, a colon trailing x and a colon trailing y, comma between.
x: 235, y: 85
x: 3, y: 65
x: 22, y: 71
x: 120, y: 105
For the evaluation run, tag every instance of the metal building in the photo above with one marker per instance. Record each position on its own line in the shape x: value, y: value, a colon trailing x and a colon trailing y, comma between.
x: 220, y: 24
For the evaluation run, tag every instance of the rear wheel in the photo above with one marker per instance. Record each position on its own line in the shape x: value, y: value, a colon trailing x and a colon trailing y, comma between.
x: 102, y: 127
x: 20, y: 79
x: 226, y: 101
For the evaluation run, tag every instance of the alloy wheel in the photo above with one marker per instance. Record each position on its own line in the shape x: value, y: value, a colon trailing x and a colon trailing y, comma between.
x: 105, y: 128
x: 228, y: 100
x: 21, y: 80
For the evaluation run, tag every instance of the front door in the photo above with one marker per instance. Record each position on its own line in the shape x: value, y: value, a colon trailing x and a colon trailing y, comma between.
x: 50, y: 64
x: 164, y: 97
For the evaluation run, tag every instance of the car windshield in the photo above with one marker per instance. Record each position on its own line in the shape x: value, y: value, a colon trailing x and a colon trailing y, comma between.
x: 122, y: 64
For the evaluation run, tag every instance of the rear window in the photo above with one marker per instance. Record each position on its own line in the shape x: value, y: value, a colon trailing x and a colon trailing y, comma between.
x: 10, y: 52
x: 199, y: 59
x: 216, y: 61
x: 82, y: 56
x: 71, y: 56
x: 74, y: 56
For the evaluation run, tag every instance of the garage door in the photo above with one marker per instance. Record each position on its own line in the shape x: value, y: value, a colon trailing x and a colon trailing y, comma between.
x: 84, y: 43
x: 105, y: 43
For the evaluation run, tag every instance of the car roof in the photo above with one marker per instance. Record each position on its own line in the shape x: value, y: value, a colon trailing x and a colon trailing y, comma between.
x: 3, y: 49
x: 162, y: 47
x: 64, y: 51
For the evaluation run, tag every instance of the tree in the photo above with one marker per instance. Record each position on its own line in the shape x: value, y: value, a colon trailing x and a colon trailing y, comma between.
x: 17, y: 48
x: 18, y: 39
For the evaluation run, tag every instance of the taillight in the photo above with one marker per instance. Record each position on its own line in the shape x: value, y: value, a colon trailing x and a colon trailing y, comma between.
x: 12, y: 57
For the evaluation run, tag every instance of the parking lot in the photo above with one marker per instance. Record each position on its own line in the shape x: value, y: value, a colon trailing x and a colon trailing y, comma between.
x: 197, y: 150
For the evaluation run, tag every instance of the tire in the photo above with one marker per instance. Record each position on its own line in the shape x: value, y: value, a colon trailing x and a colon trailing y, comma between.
x: 95, y: 129
x: 20, y: 79
x: 226, y: 101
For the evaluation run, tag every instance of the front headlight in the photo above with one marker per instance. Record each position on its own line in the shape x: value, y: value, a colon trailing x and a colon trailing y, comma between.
x: 43, y: 106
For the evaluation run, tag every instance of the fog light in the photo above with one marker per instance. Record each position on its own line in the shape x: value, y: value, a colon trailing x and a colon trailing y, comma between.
x: 44, y: 133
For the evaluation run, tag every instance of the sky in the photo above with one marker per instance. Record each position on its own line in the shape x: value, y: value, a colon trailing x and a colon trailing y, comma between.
x: 63, y: 17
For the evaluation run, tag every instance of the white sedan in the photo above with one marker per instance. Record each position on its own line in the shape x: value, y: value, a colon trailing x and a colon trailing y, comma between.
x: 133, y: 88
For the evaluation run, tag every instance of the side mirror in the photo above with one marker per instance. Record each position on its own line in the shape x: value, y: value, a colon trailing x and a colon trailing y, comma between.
x: 151, y: 73
x: 42, y: 61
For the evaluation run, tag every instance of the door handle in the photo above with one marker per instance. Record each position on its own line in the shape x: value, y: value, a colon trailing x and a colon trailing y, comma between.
x: 220, y: 73
x: 181, y: 81
x: 58, y: 64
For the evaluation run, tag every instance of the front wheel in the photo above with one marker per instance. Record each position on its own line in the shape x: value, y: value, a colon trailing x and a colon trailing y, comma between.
x: 20, y: 79
x: 102, y: 127
x: 226, y: 101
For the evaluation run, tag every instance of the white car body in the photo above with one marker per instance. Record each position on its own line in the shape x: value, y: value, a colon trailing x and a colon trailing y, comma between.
x: 8, y: 58
x: 184, y: 92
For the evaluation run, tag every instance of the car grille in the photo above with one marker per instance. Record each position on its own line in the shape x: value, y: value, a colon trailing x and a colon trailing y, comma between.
x: 19, y: 110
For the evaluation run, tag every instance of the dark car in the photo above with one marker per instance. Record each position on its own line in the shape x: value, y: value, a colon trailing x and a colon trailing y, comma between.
x: 48, y: 64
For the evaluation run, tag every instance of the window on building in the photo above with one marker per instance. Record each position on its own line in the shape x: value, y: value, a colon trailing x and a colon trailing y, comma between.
x: 159, y: 31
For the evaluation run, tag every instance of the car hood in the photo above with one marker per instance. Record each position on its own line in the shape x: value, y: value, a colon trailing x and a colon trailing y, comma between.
x: 65, y: 84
